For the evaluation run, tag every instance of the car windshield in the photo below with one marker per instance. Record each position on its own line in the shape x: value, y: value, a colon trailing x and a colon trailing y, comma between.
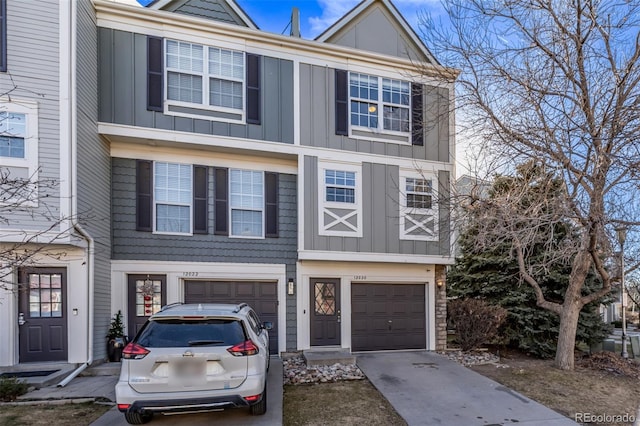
x: 174, y: 333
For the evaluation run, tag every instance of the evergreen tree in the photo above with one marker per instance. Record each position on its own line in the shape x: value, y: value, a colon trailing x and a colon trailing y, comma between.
x: 493, y: 275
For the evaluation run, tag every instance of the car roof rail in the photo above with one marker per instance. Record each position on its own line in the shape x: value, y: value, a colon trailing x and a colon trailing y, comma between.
x: 239, y: 307
x: 170, y: 305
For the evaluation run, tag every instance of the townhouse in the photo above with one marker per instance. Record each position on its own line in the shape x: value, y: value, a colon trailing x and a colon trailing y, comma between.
x: 222, y: 163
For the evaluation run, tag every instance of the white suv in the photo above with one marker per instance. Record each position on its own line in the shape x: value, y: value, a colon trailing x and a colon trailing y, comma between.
x: 193, y: 358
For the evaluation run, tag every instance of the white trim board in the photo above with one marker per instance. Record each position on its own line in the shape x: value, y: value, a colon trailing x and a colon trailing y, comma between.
x: 349, y: 256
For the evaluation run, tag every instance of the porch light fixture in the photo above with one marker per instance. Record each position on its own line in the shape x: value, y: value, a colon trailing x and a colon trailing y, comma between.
x: 440, y: 283
x: 290, y: 287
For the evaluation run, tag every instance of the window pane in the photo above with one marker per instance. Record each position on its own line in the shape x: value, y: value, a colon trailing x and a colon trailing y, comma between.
x: 173, y: 218
x: 184, y: 87
x: 340, y: 195
x: 364, y: 114
x: 184, y: 56
x: 225, y: 93
x: 12, y: 147
x: 396, y: 118
x: 13, y: 124
x: 246, y: 223
x: 226, y: 63
x: 363, y: 86
x: 173, y: 183
x: 419, y: 201
x: 395, y: 91
x: 246, y: 189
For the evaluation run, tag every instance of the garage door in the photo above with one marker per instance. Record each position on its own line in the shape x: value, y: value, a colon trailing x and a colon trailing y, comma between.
x: 387, y: 316
x: 261, y: 296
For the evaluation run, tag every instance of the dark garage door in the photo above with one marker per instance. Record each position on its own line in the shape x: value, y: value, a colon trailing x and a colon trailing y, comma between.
x: 387, y: 316
x: 261, y: 296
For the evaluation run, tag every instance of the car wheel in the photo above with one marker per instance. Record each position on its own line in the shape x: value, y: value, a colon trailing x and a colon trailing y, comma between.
x: 138, y: 418
x: 261, y: 407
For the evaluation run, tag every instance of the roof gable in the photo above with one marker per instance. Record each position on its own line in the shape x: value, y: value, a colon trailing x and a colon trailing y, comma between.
x: 227, y: 11
x: 377, y: 26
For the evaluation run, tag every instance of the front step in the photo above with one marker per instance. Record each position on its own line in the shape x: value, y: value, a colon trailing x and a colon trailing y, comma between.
x: 314, y: 358
x: 41, y: 381
x: 104, y: 369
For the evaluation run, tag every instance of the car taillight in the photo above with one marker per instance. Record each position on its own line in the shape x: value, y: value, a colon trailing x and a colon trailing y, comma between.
x: 134, y: 351
x: 252, y: 398
x: 123, y: 407
x: 243, y: 349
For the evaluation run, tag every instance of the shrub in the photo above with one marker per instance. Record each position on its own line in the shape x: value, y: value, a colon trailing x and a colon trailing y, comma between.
x: 476, y: 321
x: 11, y: 388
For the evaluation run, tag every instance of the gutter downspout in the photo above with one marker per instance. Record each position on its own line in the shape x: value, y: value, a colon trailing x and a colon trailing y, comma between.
x: 73, y: 138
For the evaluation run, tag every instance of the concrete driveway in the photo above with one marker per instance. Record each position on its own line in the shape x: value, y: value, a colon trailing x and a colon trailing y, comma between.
x: 428, y: 389
x: 228, y: 417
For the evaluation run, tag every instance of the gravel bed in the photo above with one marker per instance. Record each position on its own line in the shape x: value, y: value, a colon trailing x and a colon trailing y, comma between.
x: 474, y: 358
x: 297, y: 372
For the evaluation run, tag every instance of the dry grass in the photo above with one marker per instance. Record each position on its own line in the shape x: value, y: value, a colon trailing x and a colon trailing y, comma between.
x: 60, y: 415
x: 583, y: 390
x: 342, y: 403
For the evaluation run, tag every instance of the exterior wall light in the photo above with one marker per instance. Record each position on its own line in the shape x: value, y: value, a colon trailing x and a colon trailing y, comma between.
x: 290, y: 287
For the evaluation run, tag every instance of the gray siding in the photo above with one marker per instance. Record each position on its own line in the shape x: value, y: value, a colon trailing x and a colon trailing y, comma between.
x: 129, y: 244
x: 317, y: 120
x: 123, y: 93
x: 217, y: 10
x: 376, y: 31
x: 33, y: 75
x: 380, y: 221
x: 94, y: 172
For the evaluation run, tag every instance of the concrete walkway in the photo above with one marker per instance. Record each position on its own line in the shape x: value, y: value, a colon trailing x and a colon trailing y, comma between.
x: 428, y: 389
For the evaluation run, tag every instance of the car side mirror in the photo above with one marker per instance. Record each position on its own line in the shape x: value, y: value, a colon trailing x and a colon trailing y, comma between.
x: 267, y: 325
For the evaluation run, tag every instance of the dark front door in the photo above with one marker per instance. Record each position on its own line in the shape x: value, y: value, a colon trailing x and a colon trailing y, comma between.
x: 262, y: 296
x: 146, y: 295
x: 42, y: 299
x: 325, y: 312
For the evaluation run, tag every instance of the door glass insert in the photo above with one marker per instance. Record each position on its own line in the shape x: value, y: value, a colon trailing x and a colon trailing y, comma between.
x: 148, y: 297
x: 325, y: 298
x: 45, y: 295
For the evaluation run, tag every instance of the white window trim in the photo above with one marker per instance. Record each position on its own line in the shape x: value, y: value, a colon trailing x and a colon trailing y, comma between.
x: 433, y: 211
x: 323, y: 166
x: 31, y: 141
x: 262, y: 208
x: 380, y: 103
x: 205, y: 75
x: 155, y: 203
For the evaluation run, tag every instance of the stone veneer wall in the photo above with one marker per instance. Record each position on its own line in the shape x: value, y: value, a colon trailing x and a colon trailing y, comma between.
x: 441, y: 308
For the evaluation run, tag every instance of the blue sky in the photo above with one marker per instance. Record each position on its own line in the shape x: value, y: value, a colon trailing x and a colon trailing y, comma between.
x: 317, y: 15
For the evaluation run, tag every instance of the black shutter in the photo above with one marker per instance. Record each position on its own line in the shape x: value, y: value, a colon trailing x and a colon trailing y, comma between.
x: 253, y: 88
x: 221, y: 201
x: 200, y: 196
x: 417, y: 115
x: 342, y: 103
x: 144, y: 189
x: 271, y: 204
x: 3, y: 35
x: 155, y: 73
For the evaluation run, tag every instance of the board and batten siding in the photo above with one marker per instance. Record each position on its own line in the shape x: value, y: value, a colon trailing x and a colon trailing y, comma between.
x: 122, y: 91
x: 380, y: 210
x: 33, y: 75
x: 318, y: 112
x: 129, y: 244
x: 93, y: 171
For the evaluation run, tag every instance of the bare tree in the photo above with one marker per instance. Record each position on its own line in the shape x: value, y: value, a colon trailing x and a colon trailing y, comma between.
x: 24, y: 201
x: 557, y: 82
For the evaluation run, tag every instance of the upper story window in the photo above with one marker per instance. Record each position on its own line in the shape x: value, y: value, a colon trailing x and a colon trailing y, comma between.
x: 418, y: 209
x: 172, y: 197
x: 340, y: 186
x: 13, y: 131
x: 246, y: 203
x: 19, y: 146
x: 381, y: 104
x: 205, y: 76
x: 340, y: 199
